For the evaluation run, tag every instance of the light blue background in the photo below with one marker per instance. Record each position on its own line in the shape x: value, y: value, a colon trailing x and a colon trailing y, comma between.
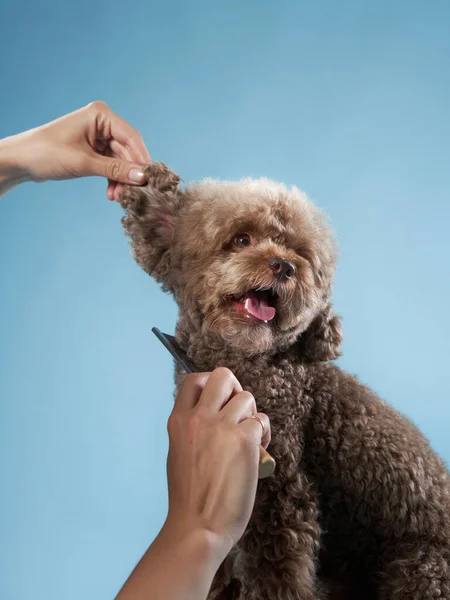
x: 348, y: 100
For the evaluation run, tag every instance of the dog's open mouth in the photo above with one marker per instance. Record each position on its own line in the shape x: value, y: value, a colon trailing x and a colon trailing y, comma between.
x: 259, y: 304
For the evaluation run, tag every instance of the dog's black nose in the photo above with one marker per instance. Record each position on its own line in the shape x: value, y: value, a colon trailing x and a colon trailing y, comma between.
x: 282, y: 268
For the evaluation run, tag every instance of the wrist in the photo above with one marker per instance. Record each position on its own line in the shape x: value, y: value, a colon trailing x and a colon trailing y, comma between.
x: 180, y: 563
x: 197, y: 541
x: 12, y: 167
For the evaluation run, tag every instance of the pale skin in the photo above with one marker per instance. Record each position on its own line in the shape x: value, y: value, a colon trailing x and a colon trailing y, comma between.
x: 90, y: 141
x: 214, y: 443
x: 212, y: 472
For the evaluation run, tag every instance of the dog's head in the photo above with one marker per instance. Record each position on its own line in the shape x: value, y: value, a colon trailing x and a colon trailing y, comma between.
x: 250, y: 261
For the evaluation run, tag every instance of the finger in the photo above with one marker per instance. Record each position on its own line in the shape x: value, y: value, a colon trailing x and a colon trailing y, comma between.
x: 267, y: 434
x: 128, y: 136
x: 241, y: 406
x: 117, y: 150
x: 220, y: 387
x: 114, y: 149
x: 110, y: 190
x: 118, y: 189
x: 116, y: 169
x: 130, y: 139
x: 254, y: 431
x: 138, y: 149
x: 190, y: 391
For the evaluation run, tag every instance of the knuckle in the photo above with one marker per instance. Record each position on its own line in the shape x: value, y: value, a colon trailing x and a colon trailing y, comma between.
x: 114, y: 170
x: 192, y: 380
x: 264, y: 418
x: 170, y: 427
x: 173, y: 422
x: 170, y: 423
x: 248, y: 399
x: 136, y: 136
x: 224, y: 372
x: 97, y: 105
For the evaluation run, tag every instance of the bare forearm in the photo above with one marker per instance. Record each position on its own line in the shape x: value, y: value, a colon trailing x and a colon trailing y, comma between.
x: 175, y: 567
x: 12, y: 171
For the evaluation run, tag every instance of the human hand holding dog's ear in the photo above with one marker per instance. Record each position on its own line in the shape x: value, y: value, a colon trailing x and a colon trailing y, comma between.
x: 90, y: 141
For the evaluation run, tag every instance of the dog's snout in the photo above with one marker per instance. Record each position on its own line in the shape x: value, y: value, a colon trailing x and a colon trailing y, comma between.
x: 282, y: 268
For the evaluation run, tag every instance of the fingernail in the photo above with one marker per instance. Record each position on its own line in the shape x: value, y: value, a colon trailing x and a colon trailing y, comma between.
x: 136, y: 175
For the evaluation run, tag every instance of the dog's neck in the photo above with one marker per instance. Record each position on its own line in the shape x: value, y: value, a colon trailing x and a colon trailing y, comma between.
x: 208, y: 351
x: 266, y: 376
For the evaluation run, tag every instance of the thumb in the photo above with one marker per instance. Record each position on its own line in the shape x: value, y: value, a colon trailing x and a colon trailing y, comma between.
x: 118, y: 170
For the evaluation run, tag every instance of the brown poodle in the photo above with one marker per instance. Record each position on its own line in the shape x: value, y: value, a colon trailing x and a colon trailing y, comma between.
x: 359, y: 505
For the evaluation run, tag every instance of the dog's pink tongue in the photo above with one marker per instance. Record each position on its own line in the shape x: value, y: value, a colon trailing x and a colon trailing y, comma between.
x: 257, y: 304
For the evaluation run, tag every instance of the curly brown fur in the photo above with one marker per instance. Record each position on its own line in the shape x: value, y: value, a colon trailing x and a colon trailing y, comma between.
x: 359, y: 505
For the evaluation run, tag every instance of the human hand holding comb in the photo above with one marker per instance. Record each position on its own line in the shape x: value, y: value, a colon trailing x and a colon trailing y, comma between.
x: 266, y: 462
x: 212, y: 474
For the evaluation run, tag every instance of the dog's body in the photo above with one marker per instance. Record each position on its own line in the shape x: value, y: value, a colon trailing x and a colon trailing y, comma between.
x: 359, y: 505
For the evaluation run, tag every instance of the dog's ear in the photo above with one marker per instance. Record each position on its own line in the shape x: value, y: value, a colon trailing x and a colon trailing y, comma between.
x: 150, y: 212
x: 322, y: 339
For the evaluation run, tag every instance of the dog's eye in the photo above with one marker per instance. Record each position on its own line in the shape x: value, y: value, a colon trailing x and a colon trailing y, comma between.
x: 241, y: 240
